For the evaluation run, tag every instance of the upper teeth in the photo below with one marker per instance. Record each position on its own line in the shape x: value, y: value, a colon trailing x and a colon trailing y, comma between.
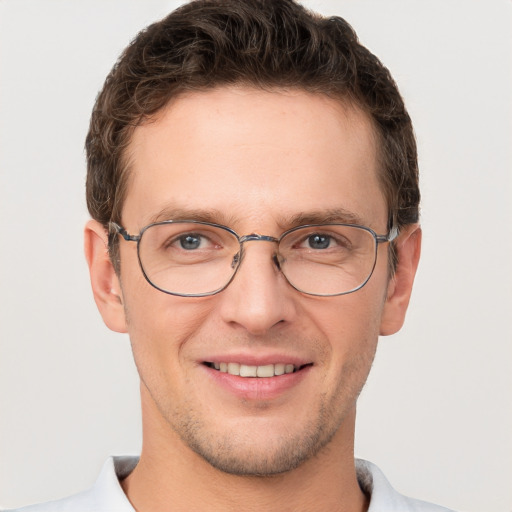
x: 244, y: 370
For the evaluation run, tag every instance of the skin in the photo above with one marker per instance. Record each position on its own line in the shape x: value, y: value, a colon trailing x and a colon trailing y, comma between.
x: 252, y: 160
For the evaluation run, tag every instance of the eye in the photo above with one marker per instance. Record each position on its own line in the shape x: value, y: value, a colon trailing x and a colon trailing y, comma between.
x: 191, y: 241
x: 186, y: 242
x: 332, y: 241
x: 319, y: 241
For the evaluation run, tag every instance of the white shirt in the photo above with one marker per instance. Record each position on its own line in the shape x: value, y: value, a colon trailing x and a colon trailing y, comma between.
x: 107, y: 495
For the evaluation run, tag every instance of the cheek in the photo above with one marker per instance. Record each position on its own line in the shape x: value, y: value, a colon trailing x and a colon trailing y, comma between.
x: 159, y: 325
x: 351, y: 316
x: 351, y: 325
x: 160, y: 328
x: 154, y: 318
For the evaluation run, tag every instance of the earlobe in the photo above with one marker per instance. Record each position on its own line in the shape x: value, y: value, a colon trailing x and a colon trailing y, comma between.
x: 408, y: 247
x: 105, y: 283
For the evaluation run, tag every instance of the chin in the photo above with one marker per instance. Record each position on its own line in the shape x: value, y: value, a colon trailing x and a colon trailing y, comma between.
x: 261, y: 453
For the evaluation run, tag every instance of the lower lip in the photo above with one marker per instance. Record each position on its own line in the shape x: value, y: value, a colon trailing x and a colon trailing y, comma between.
x: 257, y: 388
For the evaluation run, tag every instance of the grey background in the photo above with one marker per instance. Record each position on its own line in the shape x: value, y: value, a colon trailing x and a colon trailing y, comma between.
x: 436, y: 413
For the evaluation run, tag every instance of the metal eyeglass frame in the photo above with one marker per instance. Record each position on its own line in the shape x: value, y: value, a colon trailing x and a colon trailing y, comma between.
x: 253, y: 237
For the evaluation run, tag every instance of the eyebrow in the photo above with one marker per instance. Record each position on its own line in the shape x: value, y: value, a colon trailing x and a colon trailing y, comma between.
x: 328, y: 216
x: 212, y: 216
x: 215, y: 216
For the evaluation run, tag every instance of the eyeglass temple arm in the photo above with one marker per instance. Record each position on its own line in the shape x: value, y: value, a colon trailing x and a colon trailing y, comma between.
x: 116, y: 228
x: 393, y: 233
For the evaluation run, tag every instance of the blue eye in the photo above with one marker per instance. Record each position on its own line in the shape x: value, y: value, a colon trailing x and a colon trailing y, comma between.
x: 318, y: 241
x: 190, y: 242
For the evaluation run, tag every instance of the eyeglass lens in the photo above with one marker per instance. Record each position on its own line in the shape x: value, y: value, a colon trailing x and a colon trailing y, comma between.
x: 201, y: 259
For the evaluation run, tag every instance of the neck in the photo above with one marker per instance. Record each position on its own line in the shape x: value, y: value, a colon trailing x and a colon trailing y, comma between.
x: 170, y: 475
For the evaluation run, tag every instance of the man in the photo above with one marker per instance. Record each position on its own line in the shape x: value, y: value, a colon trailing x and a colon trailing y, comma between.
x: 252, y: 179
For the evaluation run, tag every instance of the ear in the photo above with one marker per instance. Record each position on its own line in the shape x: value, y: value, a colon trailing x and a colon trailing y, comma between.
x: 105, y: 283
x: 408, y: 248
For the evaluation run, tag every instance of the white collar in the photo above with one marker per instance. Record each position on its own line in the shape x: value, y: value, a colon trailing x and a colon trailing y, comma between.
x: 107, y: 494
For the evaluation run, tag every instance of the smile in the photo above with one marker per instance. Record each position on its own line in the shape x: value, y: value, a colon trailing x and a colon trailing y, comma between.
x: 265, y: 371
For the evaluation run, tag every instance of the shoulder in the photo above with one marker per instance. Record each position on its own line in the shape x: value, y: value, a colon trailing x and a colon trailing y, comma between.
x: 105, y: 496
x: 383, y: 497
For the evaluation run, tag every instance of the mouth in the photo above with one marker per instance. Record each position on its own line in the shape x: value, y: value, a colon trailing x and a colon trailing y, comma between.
x: 264, y: 371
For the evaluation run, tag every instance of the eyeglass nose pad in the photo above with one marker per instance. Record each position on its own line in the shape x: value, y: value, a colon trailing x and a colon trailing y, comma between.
x: 278, y: 260
x: 236, y: 259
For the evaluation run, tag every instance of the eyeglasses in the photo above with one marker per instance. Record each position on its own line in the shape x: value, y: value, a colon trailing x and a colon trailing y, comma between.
x: 195, y: 259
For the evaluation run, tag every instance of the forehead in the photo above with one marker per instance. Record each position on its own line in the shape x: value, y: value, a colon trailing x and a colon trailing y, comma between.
x: 253, y: 156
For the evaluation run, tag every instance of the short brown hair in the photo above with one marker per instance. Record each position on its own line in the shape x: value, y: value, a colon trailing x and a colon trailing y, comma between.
x: 262, y: 43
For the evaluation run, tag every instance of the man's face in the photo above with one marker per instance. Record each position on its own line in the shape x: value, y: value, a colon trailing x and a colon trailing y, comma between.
x: 254, y: 161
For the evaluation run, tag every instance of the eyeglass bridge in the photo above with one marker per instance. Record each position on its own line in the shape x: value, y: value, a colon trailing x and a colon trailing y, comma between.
x: 255, y: 237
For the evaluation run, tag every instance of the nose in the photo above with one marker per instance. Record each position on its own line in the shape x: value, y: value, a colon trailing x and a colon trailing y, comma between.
x: 259, y: 297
